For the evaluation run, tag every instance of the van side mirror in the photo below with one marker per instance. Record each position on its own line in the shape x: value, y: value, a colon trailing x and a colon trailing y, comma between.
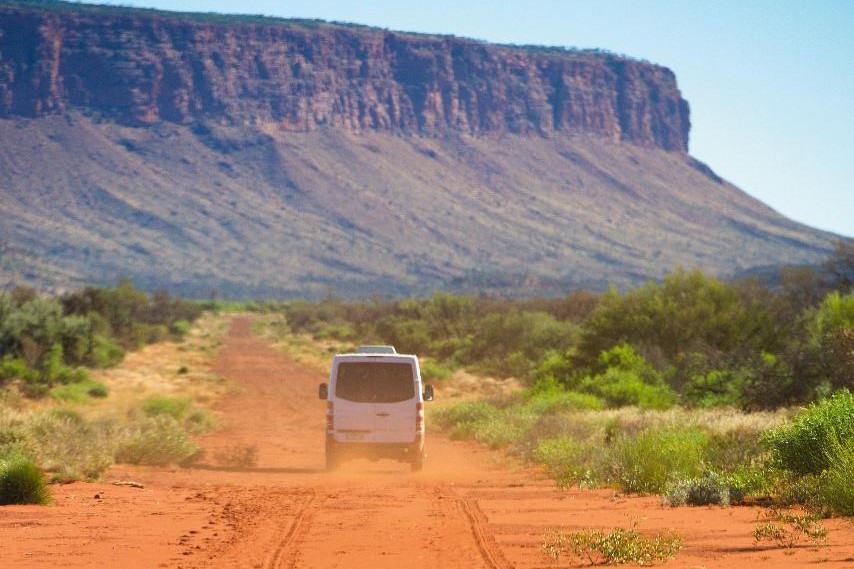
x: 428, y: 392
x: 323, y: 392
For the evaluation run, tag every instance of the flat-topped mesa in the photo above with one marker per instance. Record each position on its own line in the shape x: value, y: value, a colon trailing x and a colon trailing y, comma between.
x: 139, y: 67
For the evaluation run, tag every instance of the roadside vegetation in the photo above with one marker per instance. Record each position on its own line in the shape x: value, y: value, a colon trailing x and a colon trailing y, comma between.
x: 703, y: 391
x: 66, y: 415
x: 620, y: 546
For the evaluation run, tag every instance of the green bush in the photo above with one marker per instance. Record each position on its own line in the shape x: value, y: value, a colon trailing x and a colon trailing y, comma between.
x: 562, y: 459
x: 657, y: 458
x: 496, y: 433
x: 163, y: 405
x: 105, y: 353
x: 715, y: 388
x: 808, y: 444
x: 466, y: 413
x: 548, y: 396
x: 434, y: 371
x: 628, y: 379
x: 158, y: 441
x: 836, y: 488
x: 179, y: 329
x: 21, y: 481
x: 480, y: 421
x: 16, y: 368
x: 79, y: 392
x: 730, y: 449
x: 620, y: 546
x: 710, y: 489
x: 758, y: 481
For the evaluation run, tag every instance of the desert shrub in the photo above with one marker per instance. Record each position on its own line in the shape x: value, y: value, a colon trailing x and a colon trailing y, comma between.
x: 709, y: 489
x: 788, y: 529
x: 105, y: 353
x: 687, y: 310
x: 21, y: 481
x: 759, y: 481
x: 627, y: 379
x: 618, y: 547
x: 548, y: 396
x: 500, y: 432
x: 163, y: 405
x: 482, y: 422
x: 80, y: 391
x: 570, y: 425
x: 341, y: 332
x: 179, y: 329
x: 729, y: 449
x: 549, y: 403
x: 561, y: 458
x: 715, y: 388
x: 158, y: 440
x: 66, y: 445
x: 656, y: 458
x: 836, y: 484
x: 466, y: 413
x: 434, y: 371
x: 200, y: 421
x: 807, y: 444
x: 511, y: 342
x: 15, y: 368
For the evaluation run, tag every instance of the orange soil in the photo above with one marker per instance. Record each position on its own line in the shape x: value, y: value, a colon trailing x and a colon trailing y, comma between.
x: 464, y: 510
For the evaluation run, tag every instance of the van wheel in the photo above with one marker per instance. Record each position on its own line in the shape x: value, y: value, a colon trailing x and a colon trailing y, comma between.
x: 417, y: 462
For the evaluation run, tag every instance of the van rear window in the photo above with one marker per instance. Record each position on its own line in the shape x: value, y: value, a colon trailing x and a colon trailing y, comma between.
x: 374, y: 382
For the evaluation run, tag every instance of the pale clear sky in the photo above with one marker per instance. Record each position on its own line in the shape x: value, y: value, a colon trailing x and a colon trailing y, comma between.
x: 770, y: 82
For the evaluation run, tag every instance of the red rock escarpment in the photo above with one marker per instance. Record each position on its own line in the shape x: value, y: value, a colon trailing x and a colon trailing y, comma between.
x: 140, y: 67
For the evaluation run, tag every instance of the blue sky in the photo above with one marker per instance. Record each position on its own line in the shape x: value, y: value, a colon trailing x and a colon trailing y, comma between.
x: 770, y: 83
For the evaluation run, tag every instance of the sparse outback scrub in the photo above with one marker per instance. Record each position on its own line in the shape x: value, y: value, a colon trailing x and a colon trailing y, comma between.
x: 620, y: 546
x: 124, y: 416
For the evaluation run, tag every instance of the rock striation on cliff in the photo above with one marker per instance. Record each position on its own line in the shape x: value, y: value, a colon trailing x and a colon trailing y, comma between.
x: 139, y: 67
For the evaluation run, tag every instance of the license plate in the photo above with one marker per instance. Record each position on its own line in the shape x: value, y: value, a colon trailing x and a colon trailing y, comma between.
x: 354, y: 436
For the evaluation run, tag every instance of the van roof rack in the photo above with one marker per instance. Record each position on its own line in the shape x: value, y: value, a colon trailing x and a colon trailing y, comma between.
x: 376, y: 349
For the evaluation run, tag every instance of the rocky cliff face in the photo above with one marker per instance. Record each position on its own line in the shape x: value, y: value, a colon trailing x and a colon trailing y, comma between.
x: 139, y: 67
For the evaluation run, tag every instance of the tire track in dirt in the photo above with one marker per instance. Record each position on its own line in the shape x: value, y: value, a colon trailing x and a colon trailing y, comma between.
x: 472, y: 517
x: 483, y: 537
x: 279, y: 556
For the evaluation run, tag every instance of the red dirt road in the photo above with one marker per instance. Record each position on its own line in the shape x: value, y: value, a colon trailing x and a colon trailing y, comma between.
x: 464, y: 510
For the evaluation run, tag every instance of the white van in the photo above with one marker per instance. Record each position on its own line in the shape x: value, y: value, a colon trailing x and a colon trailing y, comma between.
x: 375, y: 407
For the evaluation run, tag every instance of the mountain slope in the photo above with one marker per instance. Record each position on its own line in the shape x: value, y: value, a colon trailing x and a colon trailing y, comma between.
x: 246, y: 212
x: 278, y: 158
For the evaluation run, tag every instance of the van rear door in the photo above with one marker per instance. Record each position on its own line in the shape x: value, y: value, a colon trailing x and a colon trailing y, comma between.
x: 375, y: 399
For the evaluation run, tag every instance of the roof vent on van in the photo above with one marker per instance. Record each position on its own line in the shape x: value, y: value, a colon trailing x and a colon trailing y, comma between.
x: 376, y: 350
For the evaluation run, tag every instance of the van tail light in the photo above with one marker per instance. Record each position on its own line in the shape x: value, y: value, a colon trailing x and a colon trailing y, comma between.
x: 330, y: 421
x: 419, y: 416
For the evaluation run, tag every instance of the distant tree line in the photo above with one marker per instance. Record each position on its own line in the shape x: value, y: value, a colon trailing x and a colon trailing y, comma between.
x: 45, y: 341
x: 690, y: 339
